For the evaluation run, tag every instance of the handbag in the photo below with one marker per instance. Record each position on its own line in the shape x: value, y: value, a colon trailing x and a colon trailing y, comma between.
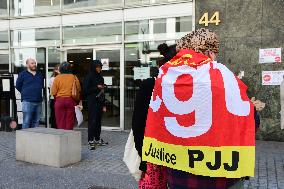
x: 131, y: 158
x: 75, y: 93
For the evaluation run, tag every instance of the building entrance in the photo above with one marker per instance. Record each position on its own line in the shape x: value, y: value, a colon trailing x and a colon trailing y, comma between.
x: 81, y: 60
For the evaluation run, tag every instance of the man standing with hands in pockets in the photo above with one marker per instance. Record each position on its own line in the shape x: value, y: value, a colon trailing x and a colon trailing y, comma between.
x: 30, y: 84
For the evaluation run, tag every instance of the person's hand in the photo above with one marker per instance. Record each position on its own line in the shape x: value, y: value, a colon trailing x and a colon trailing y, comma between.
x: 104, y: 109
x: 80, y: 107
x: 81, y: 103
x: 100, y: 86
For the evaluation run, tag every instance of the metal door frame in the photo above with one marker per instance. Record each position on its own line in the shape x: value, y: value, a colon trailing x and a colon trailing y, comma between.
x: 122, y: 79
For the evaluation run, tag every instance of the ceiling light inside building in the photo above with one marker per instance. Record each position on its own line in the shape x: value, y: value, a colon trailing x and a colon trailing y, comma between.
x: 88, y: 58
x: 71, y: 61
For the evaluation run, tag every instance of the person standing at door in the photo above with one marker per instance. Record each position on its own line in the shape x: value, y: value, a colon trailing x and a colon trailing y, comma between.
x: 30, y: 84
x: 94, y: 92
x: 52, y: 101
x: 62, y: 91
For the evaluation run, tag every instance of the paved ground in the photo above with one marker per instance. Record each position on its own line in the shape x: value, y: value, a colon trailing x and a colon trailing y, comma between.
x: 104, y: 169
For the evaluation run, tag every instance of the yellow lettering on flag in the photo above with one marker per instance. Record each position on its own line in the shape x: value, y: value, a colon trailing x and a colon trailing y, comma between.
x: 232, y: 161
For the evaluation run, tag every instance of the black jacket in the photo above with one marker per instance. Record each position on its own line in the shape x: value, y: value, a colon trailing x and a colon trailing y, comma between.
x: 140, y: 112
x: 91, y: 82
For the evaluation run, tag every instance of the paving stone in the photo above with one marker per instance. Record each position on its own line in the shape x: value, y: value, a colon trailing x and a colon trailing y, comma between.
x: 104, y: 168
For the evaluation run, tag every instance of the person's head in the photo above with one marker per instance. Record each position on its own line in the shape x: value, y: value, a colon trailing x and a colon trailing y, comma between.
x: 31, y: 64
x: 163, y: 49
x: 168, y: 52
x: 97, y: 66
x: 56, y: 70
x: 201, y: 40
x: 65, y: 68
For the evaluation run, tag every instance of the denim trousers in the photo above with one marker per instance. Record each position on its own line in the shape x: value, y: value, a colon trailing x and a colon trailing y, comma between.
x: 31, y: 114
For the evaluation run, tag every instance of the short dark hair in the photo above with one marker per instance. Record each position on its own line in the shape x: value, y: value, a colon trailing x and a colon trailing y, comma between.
x: 163, y: 48
x: 65, y: 67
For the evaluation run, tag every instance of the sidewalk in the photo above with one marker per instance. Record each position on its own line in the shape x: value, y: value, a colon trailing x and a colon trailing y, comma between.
x: 104, y: 169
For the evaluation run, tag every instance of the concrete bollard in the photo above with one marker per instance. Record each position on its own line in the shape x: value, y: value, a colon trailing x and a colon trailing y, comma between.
x: 52, y: 147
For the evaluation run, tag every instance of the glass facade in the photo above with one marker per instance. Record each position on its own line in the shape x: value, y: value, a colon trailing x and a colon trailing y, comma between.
x: 123, y: 46
x: 20, y: 8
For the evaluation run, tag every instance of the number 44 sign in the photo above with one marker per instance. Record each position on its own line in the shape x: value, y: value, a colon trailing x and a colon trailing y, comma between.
x: 215, y: 19
x: 200, y: 119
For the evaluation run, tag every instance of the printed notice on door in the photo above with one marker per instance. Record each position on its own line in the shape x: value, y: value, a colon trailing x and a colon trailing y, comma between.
x: 105, y: 62
x: 141, y: 73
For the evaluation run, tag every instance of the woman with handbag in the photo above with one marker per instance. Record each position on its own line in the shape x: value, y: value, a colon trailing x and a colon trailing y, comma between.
x: 66, y: 89
x: 94, y: 93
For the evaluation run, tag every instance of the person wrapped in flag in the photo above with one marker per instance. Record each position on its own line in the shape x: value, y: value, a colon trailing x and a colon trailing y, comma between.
x: 200, y: 123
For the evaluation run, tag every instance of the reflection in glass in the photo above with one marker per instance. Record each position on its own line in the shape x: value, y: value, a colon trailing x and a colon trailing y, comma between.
x: 38, y: 37
x: 4, y: 40
x: 69, y: 4
x: 92, y: 33
x: 33, y: 7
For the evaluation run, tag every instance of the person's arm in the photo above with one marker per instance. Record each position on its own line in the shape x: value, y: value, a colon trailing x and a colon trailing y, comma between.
x: 54, y: 88
x: 140, y: 112
x: 78, y: 85
x: 86, y: 86
x: 19, y: 83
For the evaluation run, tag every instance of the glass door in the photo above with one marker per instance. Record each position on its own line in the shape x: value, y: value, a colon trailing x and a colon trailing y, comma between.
x: 111, y: 59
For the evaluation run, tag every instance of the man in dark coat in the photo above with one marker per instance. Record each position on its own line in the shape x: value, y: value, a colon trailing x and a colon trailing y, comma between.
x: 94, y: 93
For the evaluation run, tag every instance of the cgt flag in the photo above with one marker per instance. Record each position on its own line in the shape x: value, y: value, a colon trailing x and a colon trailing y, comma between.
x: 200, y: 119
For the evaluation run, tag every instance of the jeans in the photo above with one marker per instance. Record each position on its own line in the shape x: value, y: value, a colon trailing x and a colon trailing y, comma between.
x: 31, y: 114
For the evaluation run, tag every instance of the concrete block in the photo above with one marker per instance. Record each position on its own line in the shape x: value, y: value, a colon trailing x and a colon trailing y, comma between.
x: 52, y: 147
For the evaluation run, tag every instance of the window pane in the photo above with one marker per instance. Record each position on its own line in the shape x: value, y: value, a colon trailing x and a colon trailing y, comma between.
x: 158, y: 29
x: 184, y: 24
x: 143, y: 2
x: 159, y: 26
x: 38, y: 37
x: 92, y: 33
x: 69, y: 4
x: 4, y: 63
x: 4, y: 40
x: 3, y: 8
x: 33, y: 7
